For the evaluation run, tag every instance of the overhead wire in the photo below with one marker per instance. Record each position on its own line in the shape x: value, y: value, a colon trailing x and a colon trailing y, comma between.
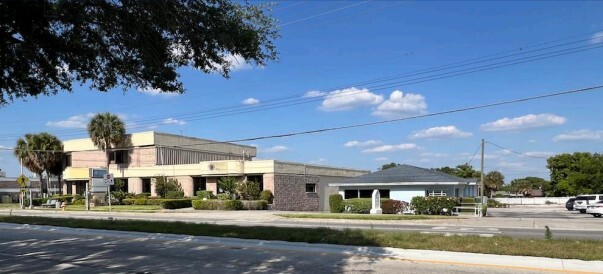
x: 515, y: 152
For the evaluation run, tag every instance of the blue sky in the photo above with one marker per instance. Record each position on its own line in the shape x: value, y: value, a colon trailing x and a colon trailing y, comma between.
x: 327, y: 51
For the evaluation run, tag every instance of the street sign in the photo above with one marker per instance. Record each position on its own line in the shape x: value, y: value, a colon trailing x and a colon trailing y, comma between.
x: 23, y: 181
x: 108, y: 179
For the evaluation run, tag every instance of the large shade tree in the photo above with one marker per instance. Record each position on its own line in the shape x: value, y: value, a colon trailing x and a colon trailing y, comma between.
x: 47, y: 45
x: 107, y: 131
x: 493, y: 181
x: 40, y: 153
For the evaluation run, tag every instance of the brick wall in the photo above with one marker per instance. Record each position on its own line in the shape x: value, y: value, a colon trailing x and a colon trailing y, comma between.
x: 268, y: 181
x: 186, y: 182
x: 212, y: 185
x: 290, y: 193
x: 143, y: 157
x: 88, y: 159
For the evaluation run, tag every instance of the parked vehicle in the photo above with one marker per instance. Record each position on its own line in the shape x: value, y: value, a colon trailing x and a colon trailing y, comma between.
x: 595, y: 209
x: 582, y: 201
x: 570, y: 204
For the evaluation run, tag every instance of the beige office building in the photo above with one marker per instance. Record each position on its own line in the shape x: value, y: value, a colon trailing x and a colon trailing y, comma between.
x: 198, y: 164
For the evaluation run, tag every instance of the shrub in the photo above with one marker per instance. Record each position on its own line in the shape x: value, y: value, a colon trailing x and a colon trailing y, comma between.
x: 468, y: 200
x: 128, y: 201
x: 143, y: 195
x: 266, y: 195
x: 62, y: 198
x: 255, y: 205
x: 174, y: 195
x: 79, y: 202
x: 484, y: 210
x: 39, y: 201
x: 175, y: 203
x: 233, y: 205
x: 393, y: 206
x: 433, y: 205
x: 224, y: 196
x: 207, y: 204
x: 163, y: 185
x: 494, y: 203
x: 140, y: 201
x: 336, y: 203
x: 204, y: 194
x: 229, y: 185
x: 248, y: 190
x: 358, y: 205
x: 154, y: 201
x: 118, y: 197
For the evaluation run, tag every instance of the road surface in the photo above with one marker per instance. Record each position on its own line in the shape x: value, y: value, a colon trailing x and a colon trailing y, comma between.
x: 39, y: 249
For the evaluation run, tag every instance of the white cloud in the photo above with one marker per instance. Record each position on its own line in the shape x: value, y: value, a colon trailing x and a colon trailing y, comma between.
x: 580, y: 135
x: 539, y: 153
x: 597, y: 38
x: 524, y: 122
x: 5, y: 147
x: 314, y: 93
x: 380, y: 159
x: 172, y: 121
x: 157, y: 92
x: 434, y: 155
x: 319, y: 161
x: 531, y: 141
x: 362, y: 144
x: 76, y: 121
x: 390, y: 148
x: 237, y: 62
x: 349, y: 98
x: 275, y: 149
x: 402, y: 105
x: 440, y: 132
x: 250, y: 101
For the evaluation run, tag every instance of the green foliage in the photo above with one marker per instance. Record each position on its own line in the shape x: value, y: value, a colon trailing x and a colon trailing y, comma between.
x: 577, y: 173
x: 217, y: 204
x: 525, y: 185
x: 266, y: 195
x: 433, y: 205
x: 174, y: 195
x: 107, y: 130
x: 140, y: 202
x: 548, y: 234
x: 493, y: 181
x: 358, y: 205
x: 33, y: 149
x: 248, y: 190
x: 143, y: 195
x: 468, y: 200
x: 484, y: 210
x: 79, y: 202
x: 118, y: 197
x: 228, y: 185
x: 390, y: 165
x: 495, y: 203
x: 336, y: 203
x: 255, y: 205
x: 175, y: 203
x: 224, y: 196
x: 393, y: 206
x: 463, y: 171
x: 38, y: 201
x: 204, y: 194
x: 163, y: 185
x: 139, y: 45
x: 62, y: 198
x: 120, y: 184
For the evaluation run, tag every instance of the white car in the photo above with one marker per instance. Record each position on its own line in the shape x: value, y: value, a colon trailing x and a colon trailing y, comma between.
x: 582, y: 201
x: 595, y: 209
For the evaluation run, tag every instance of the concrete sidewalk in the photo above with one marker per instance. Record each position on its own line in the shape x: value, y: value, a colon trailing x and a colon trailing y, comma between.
x: 438, y: 257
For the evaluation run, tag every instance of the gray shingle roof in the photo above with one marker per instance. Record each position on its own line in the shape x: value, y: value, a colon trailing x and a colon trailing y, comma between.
x: 406, y: 174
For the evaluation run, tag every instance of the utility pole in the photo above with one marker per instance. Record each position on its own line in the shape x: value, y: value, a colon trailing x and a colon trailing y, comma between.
x: 481, y: 180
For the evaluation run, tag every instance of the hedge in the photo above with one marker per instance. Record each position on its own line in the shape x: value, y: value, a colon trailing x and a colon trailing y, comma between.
x: 336, y: 203
x: 360, y: 205
x: 175, y: 203
x: 224, y: 196
x: 204, y: 194
x: 266, y: 195
x: 65, y: 198
x: 433, y: 205
x: 174, y: 195
x: 143, y: 195
x: 255, y: 205
x: 219, y: 204
x: 393, y: 206
x: 146, y: 201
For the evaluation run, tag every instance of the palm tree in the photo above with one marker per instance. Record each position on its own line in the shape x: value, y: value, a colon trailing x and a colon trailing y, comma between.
x: 39, y: 153
x: 107, y: 131
x: 494, y: 181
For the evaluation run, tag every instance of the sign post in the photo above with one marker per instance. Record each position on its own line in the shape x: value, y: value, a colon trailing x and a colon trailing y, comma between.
x: 109, y: 181
x: 23, y: 182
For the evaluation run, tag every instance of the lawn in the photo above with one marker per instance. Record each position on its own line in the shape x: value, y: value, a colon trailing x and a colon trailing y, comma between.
x: 9, y: 205
x: 117, y: 208
x: 380, y: 217
x: 554, y: 248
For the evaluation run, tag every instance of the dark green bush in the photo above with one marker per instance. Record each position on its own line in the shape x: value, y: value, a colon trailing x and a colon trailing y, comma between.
x: 142, y: 195
x: 224, y: 196
x: 154, y: 201
x: 266, y: 195
x: 255, y: 205
x: 175, y: 203
x: 140, y: 201
x: 233, y: 205
x: 468, y: 200
x: 336, y: 203
x: 39, y: 201
x: 128, y: 201
x: 358, y: 205
x: 218, y: 204
x: 433, y: 205
x: 248, y: 190
x: 174, y: 195
x: 79, y: 202
x: 164, y: 184
x: 118, y: 197
x: 204, y: 194
x: 393, y: 206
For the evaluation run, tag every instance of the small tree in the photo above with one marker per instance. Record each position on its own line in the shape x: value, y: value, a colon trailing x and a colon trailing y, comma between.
x: 228, y: 185
x: 164, y: 184
x: 248, y: 190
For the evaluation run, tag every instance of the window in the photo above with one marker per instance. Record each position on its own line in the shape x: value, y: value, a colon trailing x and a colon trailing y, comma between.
x: 199, y: 183
x: 366, y: 193
x: 435, y: 193
x: 258, y: 179
x: 146, y: 185
x: 67, y: 160
x: 384, y: 193
x: 350, y: 193
x: 311, y: 188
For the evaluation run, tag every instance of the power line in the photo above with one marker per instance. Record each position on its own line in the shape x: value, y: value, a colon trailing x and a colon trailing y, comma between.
x: 321, y: 14
x: 518, y: 153
x: 458, y: 110
x: 475, y: 153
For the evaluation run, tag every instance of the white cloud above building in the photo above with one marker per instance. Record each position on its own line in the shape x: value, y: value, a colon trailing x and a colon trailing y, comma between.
x: 524, y: 122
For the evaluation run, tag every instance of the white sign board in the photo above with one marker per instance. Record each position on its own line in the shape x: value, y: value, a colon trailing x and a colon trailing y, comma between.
x: 109, y: 179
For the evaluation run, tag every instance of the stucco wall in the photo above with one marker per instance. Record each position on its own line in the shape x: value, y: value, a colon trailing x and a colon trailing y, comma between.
x: 290, y: 193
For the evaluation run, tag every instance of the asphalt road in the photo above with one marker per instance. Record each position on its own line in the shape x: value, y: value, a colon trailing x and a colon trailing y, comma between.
x: 32, y: 250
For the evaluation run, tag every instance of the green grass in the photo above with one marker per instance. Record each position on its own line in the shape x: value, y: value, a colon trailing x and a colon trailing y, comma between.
x: 554, y: 248
x: 363, y: 216
x: 117, y: 208
x: 9, y: 205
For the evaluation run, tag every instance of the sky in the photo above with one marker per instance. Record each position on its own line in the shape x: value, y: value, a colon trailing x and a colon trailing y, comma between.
x: 345, y: 63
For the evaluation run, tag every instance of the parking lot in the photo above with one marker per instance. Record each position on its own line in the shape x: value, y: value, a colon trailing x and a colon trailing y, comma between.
x: 540, y: 212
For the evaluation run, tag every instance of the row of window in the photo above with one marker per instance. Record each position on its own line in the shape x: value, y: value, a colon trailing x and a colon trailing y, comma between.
x: 364, y: 193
